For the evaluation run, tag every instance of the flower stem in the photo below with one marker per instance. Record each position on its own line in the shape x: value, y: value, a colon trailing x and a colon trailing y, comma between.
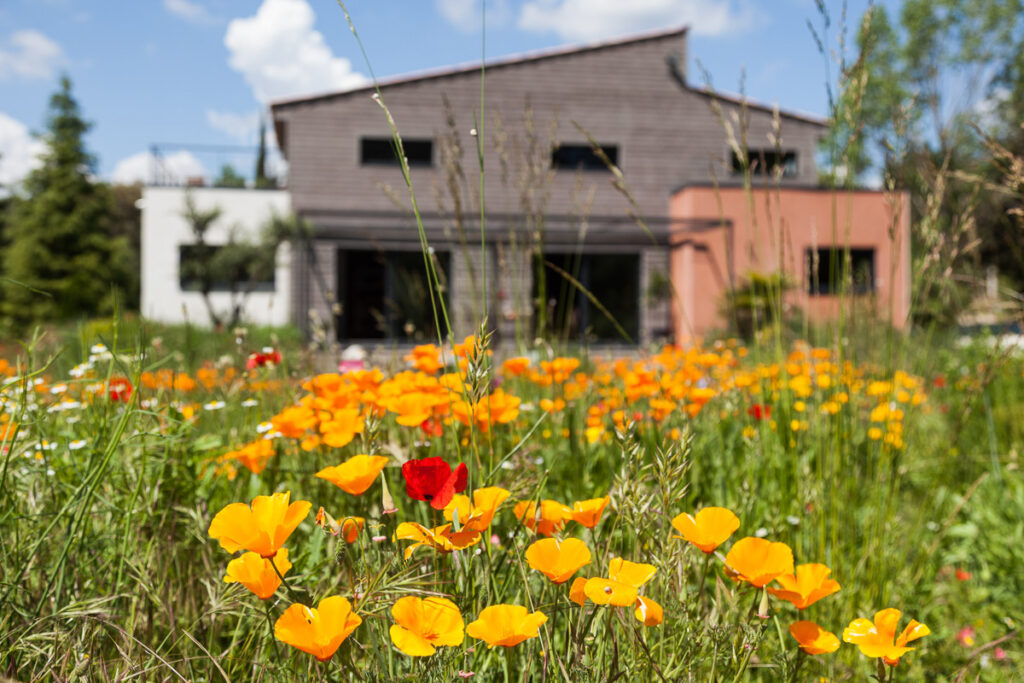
x: 749, y: 653
x: 284, y: 582
x: 703, y: 579
x: 800, y: 657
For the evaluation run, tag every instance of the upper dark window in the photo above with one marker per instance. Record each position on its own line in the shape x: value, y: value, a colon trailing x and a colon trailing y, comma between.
x: 383, y: 151
x: 830, y: 273
x: 387, y: 295
x: 213, y: 268
x: 767, y: 162
x: 583, y: 157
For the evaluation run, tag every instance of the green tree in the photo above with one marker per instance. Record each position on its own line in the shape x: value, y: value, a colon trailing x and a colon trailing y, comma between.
x: 229, y: 177
x: 263, y: 180
x: 866, y: 112
x: 236, y: 267
x: 61, y: 261
x: 126, y: 226
x: 928, y: 98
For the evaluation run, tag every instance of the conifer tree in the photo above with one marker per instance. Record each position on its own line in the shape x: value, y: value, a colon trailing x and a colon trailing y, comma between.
x: 61, y: 261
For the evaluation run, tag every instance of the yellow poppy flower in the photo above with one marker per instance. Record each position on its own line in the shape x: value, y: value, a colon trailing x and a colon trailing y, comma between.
x: 506, y: 625
x: 261, y: 528
x: 708, y: 529
x: 356, y: 474
x: 558, y: 560
x: 320, y: 630
x: 423, y: 624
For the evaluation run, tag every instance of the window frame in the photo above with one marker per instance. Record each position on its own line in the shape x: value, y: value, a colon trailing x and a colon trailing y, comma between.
x: 408, y: 144
x: 587, y: 311
x: 345, y: 256
x: 817, y: 287
x: 588, y: 160
x: 251, y: 286
x: 766, y: 170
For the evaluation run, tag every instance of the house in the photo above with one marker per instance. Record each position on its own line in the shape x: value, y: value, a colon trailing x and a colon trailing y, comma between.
x: 168, y: 241
x: 567, y: 247
x: 807, y: 233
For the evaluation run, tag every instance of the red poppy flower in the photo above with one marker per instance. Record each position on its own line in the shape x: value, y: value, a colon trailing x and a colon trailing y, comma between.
x: 258, y: 359
x: 432, y: 480
x: 759, y: 411
x: 120, y: 389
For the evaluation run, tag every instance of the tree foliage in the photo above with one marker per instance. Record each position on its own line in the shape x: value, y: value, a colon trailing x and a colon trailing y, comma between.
x: 229, y: 177
x: 927, y: 100
x: 61, y: 261
x: 236, y: 267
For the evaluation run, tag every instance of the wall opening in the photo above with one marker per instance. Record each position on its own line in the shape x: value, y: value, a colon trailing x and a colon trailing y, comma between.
x: 386, y: 295
x: 613, y: 279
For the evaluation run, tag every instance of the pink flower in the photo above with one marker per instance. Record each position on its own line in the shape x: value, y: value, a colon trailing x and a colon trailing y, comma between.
x: 966, y: 636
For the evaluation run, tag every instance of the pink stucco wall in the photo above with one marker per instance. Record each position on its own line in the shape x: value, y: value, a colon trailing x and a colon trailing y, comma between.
x: 771, y: 230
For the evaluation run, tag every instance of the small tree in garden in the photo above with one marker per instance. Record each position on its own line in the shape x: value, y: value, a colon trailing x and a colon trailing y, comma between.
x: 61, y: 261
x: 236, y: 267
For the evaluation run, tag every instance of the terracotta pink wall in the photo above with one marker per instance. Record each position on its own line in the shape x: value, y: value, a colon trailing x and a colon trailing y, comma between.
x: 772, y: 229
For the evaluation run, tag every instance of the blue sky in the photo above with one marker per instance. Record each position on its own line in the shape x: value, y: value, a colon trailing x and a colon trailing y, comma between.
x: 200, y: 71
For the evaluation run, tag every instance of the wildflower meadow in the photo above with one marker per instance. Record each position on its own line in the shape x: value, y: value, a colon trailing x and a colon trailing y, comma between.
x: 837, y: 501
x: 721, y: 512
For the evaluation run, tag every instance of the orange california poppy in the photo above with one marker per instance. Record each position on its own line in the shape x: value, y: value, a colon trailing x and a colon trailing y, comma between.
x: 261, y: 528
x: 558, y: 560
x: 293, y: 422
x: 879, y: 639
x: 253, y: 456
x: 708, y: 529
x: 588, y: 512
x: 515, y: 366
x: 318, y: 631
x: 257, y: 574
x: 356, y: 474
x: 349, y: 527
x: 342, y: 427
x: 506, y: 625
x: 757, y: 560
x: 648, y: 611
x: 809, y: 584
x: 577, y: 592
x: 425, y: 358
x: 622, y: 586
x: 442, y: 539
x: 813, y: 639
x: 480, y: 514
x: 550, y: 519
x: 422, y: 624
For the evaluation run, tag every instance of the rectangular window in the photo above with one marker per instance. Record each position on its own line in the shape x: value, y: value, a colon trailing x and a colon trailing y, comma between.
x: 386, y: 295
x: 217, y: 268
x: 381, y: 151
x: 612, y: 279
x: 829, y: 272
x: 582, y: 157
x: 767, y: 162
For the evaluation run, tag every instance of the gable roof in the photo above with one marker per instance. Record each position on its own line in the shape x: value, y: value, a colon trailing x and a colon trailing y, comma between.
x: 547, y: 54
x: 510, y: 60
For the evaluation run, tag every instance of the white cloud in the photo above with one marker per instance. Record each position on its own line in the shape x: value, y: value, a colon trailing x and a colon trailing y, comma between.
x: 29, y: 54
x: 595, y: 19
x: 465, y: 14
x: 243, y: 128
x: 143, y: 167
x: 281, y: 55
x: 19, y: 151
x: 192, y: 12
